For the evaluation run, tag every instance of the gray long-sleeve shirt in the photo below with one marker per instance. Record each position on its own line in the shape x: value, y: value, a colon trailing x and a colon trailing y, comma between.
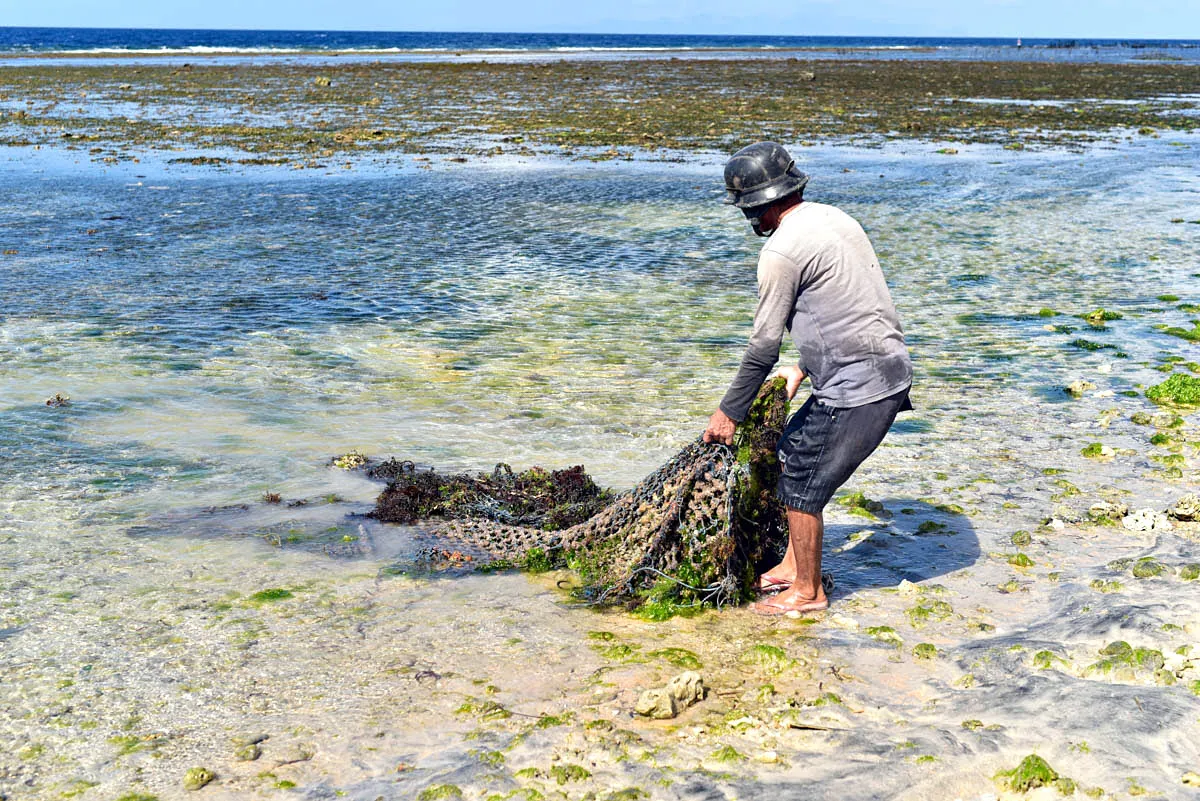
x: 819, y: 278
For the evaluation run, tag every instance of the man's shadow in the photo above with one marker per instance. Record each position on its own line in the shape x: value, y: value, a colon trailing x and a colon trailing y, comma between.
x: 908, y: 539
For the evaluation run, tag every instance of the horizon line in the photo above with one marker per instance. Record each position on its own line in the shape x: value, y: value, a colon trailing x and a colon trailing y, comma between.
x: 604, y: 33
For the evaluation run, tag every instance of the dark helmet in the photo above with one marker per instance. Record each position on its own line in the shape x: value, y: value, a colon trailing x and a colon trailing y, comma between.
x: 759, y: 174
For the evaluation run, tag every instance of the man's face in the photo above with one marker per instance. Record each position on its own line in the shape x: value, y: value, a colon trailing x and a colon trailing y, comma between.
x: 763, y: 219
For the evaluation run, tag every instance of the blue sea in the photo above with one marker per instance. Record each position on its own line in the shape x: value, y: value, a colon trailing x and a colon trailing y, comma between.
x: 419, y: 45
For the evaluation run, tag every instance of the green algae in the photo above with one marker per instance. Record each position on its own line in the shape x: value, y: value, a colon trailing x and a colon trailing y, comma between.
x: 493, y: 759
x: 928, y: 610
x: 1099, y: 317
x: 1019, y: 560
x: 270, y: 596
x: 551, y: 721
x: 486, y: 710
x: 885, y: 634
x: 562, y: 774
x: 1190, y: 334
x: 138, y: 797
x: 1178, y: 390
x: 619, y: 652
x: 1033, y: 772
x: 679, y: 657
x: 353, y: 460
x: 770, y: 659
x: 1148, y: 567
x: 440, y: 792
x: 727, y: 754
x: 1046, y: 660
x: 1190, y: 572
x: 1100, y: 585
x: 925, y: 650
x: 537, y: 561
x: 1088, y: 345
x: 1094, y: 450
x: 1123, y: 661
x: 197, y: 777
x: 1021, y: 538
x: 857, y: 503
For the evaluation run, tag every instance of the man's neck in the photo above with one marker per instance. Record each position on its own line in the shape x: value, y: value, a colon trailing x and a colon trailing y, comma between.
x: 783, y: 214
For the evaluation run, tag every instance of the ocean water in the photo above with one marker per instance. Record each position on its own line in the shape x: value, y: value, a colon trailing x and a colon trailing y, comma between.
x: 221, y: 335
x: 94, y: 42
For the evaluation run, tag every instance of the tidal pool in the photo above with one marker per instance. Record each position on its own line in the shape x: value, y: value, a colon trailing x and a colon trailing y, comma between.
x: 222, y: 335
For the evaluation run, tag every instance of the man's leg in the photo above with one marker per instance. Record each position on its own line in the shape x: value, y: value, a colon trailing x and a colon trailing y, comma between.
x: 802, y: 564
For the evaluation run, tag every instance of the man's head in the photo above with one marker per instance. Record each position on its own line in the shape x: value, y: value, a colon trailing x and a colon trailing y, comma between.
x: 762, y: 181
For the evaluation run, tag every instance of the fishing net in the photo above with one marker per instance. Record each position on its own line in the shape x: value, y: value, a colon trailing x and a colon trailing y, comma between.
x: 697, y: 530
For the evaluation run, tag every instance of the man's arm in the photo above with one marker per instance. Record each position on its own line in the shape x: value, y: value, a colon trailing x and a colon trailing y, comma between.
x: 778, y: 285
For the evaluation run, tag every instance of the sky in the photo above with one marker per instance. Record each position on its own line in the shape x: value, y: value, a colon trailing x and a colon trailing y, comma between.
x: 1118, y: 19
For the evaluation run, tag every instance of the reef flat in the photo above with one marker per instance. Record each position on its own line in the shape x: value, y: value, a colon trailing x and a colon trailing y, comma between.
x: 280, y: 112
x: 194, y: 604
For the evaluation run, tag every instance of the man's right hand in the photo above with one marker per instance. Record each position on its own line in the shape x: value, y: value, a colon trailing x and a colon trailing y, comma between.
x: 720, y: 428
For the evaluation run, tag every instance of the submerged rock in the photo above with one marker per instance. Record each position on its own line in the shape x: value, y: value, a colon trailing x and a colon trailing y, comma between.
x: 657, y: 704
x: 687, y: 688
x: 1146, y: 520
x: 1105, y: 510
x: 1077, y: 388
x: 665, y: 703
x: 195, y: 778
x: 1186, y: 508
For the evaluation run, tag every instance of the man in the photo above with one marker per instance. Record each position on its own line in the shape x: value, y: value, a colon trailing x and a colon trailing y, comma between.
x: 819, y: 278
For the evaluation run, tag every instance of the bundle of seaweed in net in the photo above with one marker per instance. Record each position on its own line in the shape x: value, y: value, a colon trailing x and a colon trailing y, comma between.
x: 697, y: 530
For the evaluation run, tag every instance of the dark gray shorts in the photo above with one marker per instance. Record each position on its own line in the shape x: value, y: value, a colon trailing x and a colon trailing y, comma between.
x: 821, y: 447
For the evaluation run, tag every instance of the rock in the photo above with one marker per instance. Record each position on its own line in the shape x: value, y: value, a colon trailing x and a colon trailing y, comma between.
x: 1043, y: 794
x: 908, y: 588
x: 1191, y: 778
x: 1077, y: 388
x: 687, y: 688
x: 1186, y: 508
x: 1105, y: 509
x: 247, y: 753
x: 844, y: 622
x: 657, y: 704
x: 1066, y: 513
x: 807, y: 76
x: 322, y: 80
x: 1147, y: 520
x: 195, y: 778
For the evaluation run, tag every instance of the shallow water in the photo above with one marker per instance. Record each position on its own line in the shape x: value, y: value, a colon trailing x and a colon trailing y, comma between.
x: 222, y: 335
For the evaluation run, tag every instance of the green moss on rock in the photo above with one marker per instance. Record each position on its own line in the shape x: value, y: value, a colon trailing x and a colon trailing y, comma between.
x: 925, y: 650
x: 1180, y: 390
x: 195, y: 778
x: 1033, y: 772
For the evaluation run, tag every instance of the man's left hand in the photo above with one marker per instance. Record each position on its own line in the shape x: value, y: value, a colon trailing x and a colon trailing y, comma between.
x: 720, y: 428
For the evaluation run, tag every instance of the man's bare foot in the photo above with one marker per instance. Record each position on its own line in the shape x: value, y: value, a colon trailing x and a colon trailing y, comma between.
x: 790, y: 600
